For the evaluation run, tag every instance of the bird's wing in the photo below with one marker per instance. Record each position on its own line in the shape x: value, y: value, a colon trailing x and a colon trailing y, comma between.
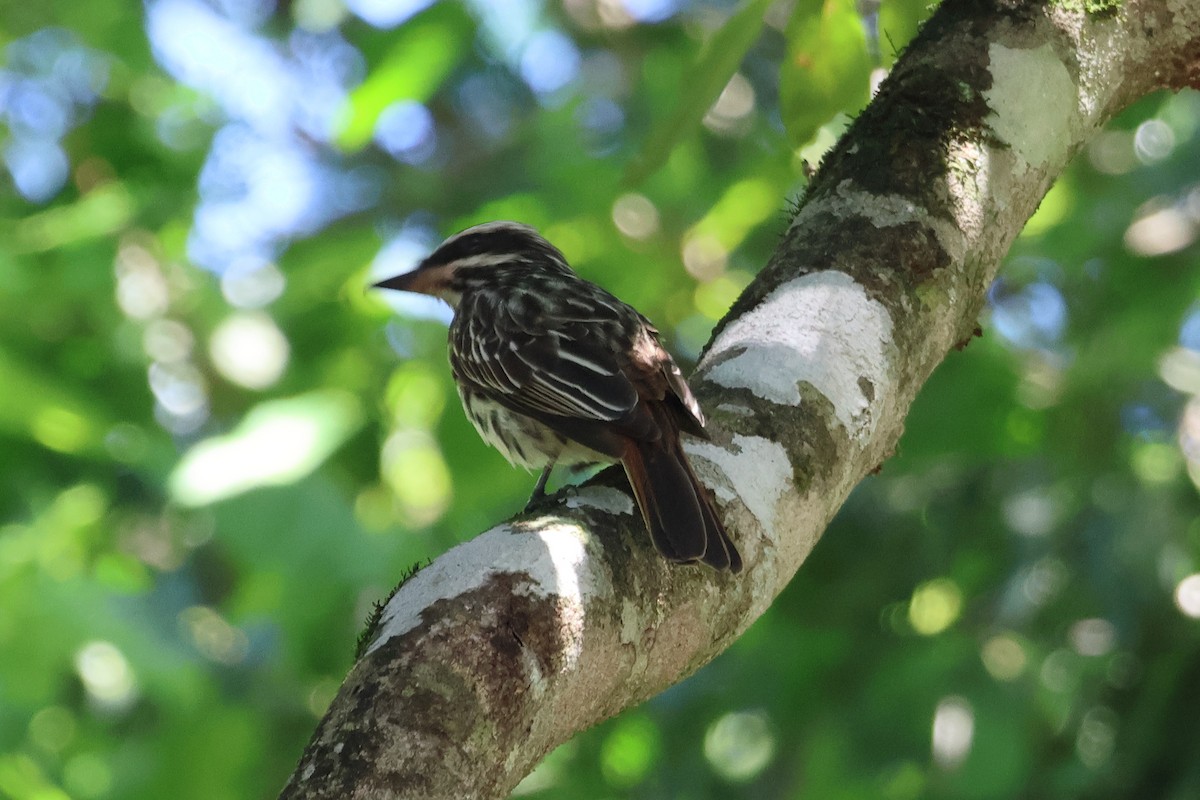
x: 544, y: 366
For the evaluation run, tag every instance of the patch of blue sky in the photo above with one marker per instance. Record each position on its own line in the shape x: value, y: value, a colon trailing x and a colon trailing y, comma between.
x: 49, y: 83
x: 1032, y: 316
x: 406, y: 131
x: 386, y: 13
x: 263, y: 183
x: 549, y: 62
x: 651, y: 10
x: 244, y: 72
x: 39, y: 167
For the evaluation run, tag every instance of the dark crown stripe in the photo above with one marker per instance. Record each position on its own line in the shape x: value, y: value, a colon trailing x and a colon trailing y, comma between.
x: 500, y: 243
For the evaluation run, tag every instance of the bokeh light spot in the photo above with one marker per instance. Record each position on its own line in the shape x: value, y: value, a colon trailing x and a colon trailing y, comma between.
x: 414, y: 469
x: 1111, y: 152
x: 212, y: 636
x: 318, y: 15
x: 53, y: 728
x: 1097, y: 736
x: 549, y: 62
x: 87, y: 775
x: 1031, y: 316
x: 1060, y: 671
x: 650, y: 10
x: 1187, y: 595
x: 934, y: 606
x: 141, y: 285
x: 704, y: 256
x: 1004, y: 657
x: 168, y: 341
x: 181, y: 392
x: 953, y: 731
x: 373, y: 509
x: 1156, y: 462
x: 1153, y: 141
x: 106, y: 675
x: 731, y: 112
x: 39, y: 168
x: 1160, y: 232
x: 385, y: 13
x: 60, y: 429
x: 415, y: 396
x: 629, y: 751
x: 251, y: 283
x: 250, y: 350
x: 635, y: 216
x: 714, y: 298
x: 740, y: 745
x: 405, y: 129
x: 1034, y: 512
x: 1093, y: 637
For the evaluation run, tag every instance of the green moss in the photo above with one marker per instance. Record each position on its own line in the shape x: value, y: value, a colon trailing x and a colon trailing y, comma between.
x: 1094, y: 7
x: 371, y: 624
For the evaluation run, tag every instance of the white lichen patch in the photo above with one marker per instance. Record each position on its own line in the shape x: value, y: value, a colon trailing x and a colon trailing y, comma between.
x: 633, y: 633
x: 790, y: 524
x: 821, y: 329
x: 970, y: 181
x: 759, y: 471
x: 885, y: 211
x: 1100, y: 71
x: 735, y: 409
x: 554, y: 557
x: 601, y: 498
x: 632, y: 628
x: 1034, y: 102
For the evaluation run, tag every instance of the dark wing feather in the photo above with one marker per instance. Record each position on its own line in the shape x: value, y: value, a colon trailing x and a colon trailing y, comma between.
x: 542, y: 365
x: 688, y: 413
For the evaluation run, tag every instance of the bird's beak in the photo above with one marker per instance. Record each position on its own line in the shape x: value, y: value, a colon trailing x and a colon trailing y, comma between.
x: 423, y: 280
x: 401, y: 283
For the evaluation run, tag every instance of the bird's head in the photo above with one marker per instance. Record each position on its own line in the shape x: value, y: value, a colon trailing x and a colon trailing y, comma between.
x: 476, y: 258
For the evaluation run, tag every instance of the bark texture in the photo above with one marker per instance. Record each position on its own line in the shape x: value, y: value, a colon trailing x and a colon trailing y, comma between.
x: 509, y: 644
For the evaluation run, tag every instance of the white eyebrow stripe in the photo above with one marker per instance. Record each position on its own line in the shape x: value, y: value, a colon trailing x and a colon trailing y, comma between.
x: 482, y: 260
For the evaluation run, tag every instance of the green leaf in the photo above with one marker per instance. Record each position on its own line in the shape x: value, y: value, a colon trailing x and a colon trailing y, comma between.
x: 279, y: 442
x: 39, y: 406
x: 827, y: 68
x: 899, y: 21
x: 100, y: 213
x: 426, y: 50
x: 701, y: 85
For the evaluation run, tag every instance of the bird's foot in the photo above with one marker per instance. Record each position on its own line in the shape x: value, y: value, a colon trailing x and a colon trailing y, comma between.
x: 539, y: 489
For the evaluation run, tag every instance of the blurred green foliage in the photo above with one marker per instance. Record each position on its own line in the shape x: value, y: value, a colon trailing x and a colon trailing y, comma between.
x: 826, y: 68
x: 217, y: 450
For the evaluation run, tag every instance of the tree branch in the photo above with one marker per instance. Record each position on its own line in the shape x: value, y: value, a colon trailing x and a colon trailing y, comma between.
x: 509, y: 644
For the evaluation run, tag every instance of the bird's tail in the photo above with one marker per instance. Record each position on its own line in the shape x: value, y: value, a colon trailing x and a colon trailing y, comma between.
x: 679, y: 513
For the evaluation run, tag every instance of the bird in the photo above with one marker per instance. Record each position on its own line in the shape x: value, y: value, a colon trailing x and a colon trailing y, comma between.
x: 553, y: 369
